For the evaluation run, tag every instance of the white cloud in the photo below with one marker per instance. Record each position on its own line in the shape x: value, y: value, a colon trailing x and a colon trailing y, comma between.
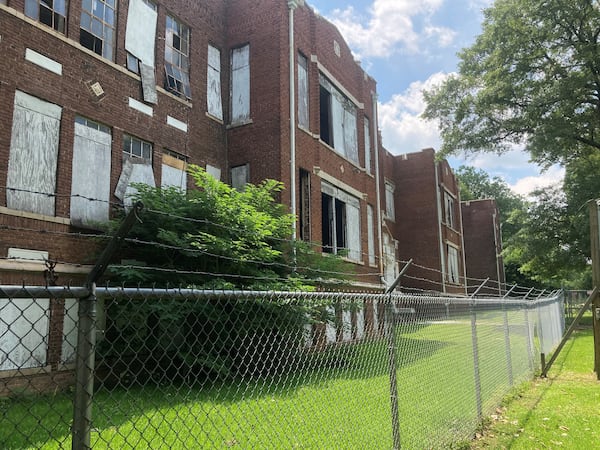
x: 552, y: 177
x: 392, y: 25
x: 402, y: 128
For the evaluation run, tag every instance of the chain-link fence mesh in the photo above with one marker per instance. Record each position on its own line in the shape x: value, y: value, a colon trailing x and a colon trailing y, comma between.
x: 198, y: 369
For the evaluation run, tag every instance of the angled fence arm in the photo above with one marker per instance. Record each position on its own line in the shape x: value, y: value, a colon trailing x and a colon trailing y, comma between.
x: 86, y: 338
x: 567, y: 335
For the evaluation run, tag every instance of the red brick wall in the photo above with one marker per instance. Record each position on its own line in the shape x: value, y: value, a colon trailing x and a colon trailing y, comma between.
x: 482, y: 245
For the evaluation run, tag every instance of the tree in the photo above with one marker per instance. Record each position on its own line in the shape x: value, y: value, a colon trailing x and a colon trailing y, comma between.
x: 532, y: 77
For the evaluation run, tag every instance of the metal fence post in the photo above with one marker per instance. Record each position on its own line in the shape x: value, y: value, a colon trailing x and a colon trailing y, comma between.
x: 507, y: 345
x: 84, y: 372
x: 390, y: 320
x: 476, y: 361
x: 529, y: 338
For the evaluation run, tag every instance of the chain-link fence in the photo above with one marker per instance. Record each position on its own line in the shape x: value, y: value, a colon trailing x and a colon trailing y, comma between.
x: 159, y: 369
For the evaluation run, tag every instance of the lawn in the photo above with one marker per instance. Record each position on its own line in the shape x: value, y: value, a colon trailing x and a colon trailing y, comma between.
x: 562, y: 411
x: 339, y: 399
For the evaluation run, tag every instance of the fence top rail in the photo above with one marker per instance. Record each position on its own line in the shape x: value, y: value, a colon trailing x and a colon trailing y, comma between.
x: 189, y: 293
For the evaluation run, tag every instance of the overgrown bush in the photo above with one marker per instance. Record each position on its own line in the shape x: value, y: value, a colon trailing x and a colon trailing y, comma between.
x: 213, y: 237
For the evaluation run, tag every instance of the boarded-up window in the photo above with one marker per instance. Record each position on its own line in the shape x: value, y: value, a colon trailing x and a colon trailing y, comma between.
x: 140, y: 35
x: 367, y: 145
x: 338, y: 120
x: 371, y: 235
x: 240, y: 84
x: 213, y: 83
x: 390, y: 265
x: 90, y: 187
x: 174, y: 170
x: 137, y: 168
x: 31, y: 179
x: 239, y: 177
x: 452, y: 264
x: 340, y: 222
x: 303, y: 119
x: 24, y: 324
x: 390, y: 210
x: 215, y: 172
x: 51, y: 13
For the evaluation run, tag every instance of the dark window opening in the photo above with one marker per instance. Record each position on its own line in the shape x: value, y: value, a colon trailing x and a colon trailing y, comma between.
x: 333, y: 224
x: 90, y: 41
x: 304, y: 205
x: 325, y: 116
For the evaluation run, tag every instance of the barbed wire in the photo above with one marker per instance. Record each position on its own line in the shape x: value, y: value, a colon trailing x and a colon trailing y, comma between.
x: 487, y: 285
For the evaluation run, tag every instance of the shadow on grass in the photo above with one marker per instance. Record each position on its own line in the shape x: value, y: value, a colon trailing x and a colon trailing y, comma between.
x: 44, y: 421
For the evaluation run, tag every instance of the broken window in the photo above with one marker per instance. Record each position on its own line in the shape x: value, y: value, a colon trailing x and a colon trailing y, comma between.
x: 452, y: 264
x: 177, y: 50
x: 240, y: 84
x: 137, y: 168
x: 213, y: 83
x: 340, y: 222
x: 325, y: 116
x: 136, y: 148
x: 303, y: 115
x: 370, y: 235
x: 174, y: 170
x: 140, y: 34
x: 32, y: 163
x: 50, y: 12
x: 97, y: 32
x: 240, y: 177
x: 390, y: 210
x: 449, y: 210
x: 338, y: 120
x: 305, y: 206
x: 367, y: 145
x: 90, y: 185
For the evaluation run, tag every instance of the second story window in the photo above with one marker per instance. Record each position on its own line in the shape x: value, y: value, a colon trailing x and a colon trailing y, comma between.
x: 240, y: 84
x: 50, y: 12
x: 449, y: 210
x: 133, y: 61
x: 303, y: 112
x: 177, y: 50
x: 136, y: 148
x: 98, y: 19
x: 390, y: 210
x: 337, y: 115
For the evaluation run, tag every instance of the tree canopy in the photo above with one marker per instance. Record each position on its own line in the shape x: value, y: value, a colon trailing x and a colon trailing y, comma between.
x: 531, y: 78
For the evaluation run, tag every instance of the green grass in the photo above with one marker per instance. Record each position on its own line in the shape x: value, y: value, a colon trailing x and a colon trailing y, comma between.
x: 339, y: 399
x: 562, y: 411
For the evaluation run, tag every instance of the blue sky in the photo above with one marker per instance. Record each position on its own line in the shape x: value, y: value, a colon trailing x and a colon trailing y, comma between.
x: 408, y: 45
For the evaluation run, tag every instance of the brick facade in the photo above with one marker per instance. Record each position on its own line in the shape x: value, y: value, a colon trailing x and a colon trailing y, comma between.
x: 483, y: 245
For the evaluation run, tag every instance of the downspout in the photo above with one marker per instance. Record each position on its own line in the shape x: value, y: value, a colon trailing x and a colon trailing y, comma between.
x: 496, y: 247
x: 462, y: 243
x: 439, y: 217
x: 377, y: 181
x: 292, y: 5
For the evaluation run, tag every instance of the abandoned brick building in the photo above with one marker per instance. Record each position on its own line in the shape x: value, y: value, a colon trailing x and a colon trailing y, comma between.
x: 98, y: 94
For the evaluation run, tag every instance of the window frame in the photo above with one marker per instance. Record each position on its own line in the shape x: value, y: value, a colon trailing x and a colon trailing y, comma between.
x: 213, y: 73
x: 449, y: 210
x: 143, y: 144
x: 336, y: 207
x: 33, y: 9
x: 453, y: 269
x: 133, y: 62
x: 303, y: 93
x: 239, y: 115
x: 177, y: 73
x: 390, y: 201
x: 106, y: 51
